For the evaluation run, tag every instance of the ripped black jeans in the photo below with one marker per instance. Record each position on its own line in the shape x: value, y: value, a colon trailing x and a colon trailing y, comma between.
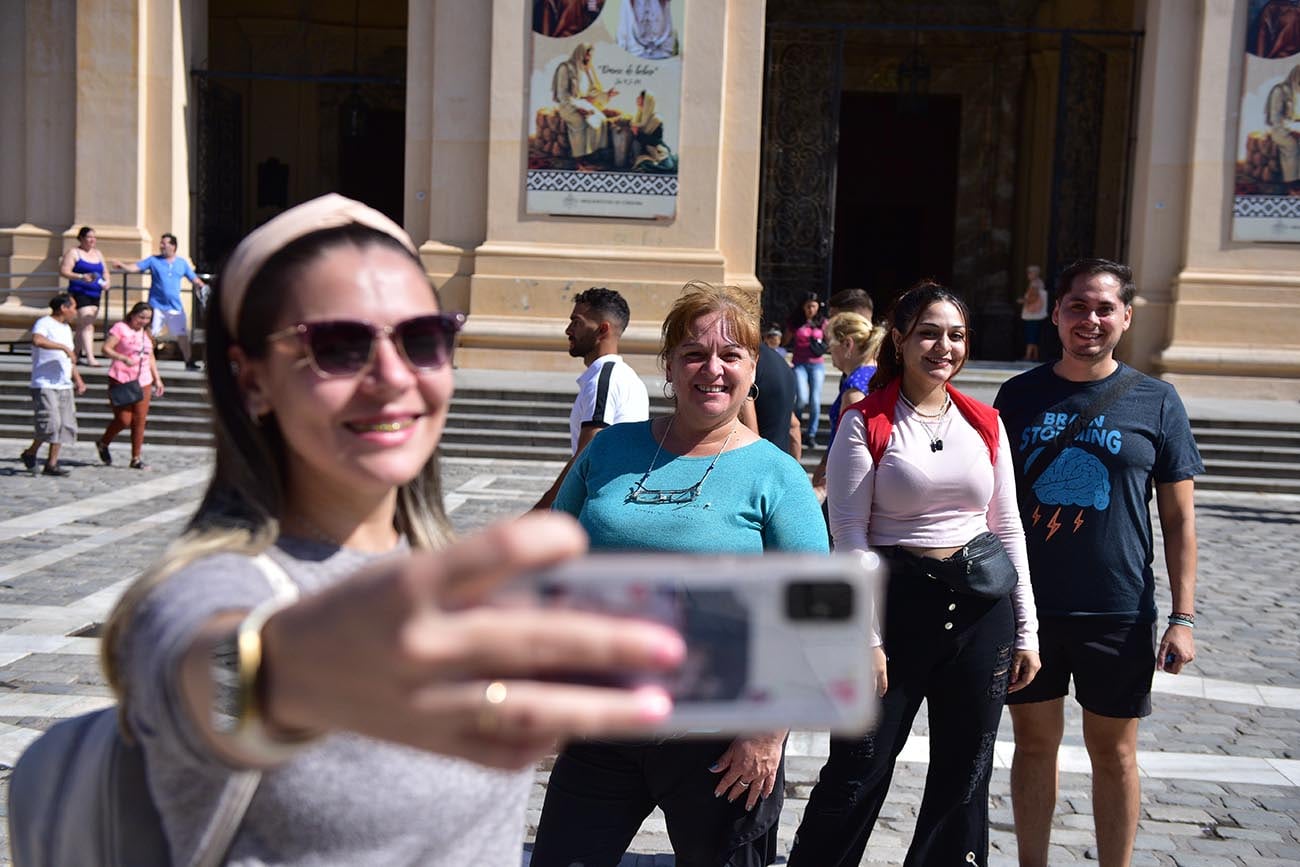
x: 955, y: 652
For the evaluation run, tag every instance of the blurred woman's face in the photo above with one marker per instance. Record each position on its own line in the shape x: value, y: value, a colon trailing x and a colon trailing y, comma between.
x: 810, y: 309
x: 369, y: 432
x: 711, y: 373
x: 88, y: 242
x: 141, y: 319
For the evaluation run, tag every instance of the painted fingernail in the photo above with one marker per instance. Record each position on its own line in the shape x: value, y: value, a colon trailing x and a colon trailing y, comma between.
x: 654, y: 703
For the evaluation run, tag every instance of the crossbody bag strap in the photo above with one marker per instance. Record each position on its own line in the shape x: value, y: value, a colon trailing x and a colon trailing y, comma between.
x: 1099, y: 405
x: 242, y: 785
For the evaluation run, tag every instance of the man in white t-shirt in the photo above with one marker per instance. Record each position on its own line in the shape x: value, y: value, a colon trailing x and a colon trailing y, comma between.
x: 54, y: 375
x: 609, y: 391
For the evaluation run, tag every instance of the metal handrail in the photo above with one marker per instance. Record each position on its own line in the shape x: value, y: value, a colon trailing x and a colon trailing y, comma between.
x: 130, y: 282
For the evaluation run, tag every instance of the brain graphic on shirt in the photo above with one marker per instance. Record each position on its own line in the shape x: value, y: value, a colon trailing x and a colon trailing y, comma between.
x: 1075, y: 478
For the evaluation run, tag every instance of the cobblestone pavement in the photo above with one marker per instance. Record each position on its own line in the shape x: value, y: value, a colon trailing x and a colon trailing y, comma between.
x: 1220, y: 762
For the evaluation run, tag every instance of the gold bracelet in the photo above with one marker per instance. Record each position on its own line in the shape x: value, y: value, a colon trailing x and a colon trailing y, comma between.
x: 249, y: 732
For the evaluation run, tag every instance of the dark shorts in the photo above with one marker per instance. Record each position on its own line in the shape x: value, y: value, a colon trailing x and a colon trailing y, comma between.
x: 1033, y: 329
x: 81, y: 299
x: 1112, y: 660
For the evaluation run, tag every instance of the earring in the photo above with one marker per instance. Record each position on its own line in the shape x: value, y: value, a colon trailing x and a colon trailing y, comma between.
x: 753, y: 392
x: 898, y: 355
x: 669, y: 391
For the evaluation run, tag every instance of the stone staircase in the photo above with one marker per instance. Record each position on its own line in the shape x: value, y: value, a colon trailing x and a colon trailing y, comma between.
x: 490, y: 420
x: 180, y: 417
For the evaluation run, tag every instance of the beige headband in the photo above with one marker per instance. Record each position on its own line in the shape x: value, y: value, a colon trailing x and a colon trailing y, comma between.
x: 327, y: 212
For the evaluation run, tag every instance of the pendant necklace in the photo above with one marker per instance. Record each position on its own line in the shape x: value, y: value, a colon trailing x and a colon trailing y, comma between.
x: 672, y: 496
x: 936, y: 441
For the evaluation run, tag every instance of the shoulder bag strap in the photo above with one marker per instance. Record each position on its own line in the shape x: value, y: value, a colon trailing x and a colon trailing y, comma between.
x: 1099, y: 405
x: 242, y: 785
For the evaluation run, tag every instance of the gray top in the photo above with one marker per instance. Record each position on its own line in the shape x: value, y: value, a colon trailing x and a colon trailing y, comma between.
x: 346, y: 799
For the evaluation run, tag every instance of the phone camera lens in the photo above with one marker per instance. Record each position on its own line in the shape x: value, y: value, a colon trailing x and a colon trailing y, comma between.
x: 819, y: 600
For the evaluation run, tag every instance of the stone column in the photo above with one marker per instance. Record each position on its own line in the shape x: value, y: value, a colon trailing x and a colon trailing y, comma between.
x: 38, y: 63
x: 1161, y: 165
x: 96, y: 110
x: 1233, y: 304
x: 516, y: 273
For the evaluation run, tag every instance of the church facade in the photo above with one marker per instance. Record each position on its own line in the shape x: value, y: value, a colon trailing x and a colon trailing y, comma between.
x: 810, y: 146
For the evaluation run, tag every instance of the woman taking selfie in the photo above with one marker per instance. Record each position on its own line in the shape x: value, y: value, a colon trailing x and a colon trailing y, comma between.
x: 923, y: 475
x: 373, y: 683
x: 695, y: 481
x: 133, y: 381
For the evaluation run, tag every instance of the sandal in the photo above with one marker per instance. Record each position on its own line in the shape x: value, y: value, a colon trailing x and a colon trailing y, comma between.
x: 138, y: 464
x: 103, y: 453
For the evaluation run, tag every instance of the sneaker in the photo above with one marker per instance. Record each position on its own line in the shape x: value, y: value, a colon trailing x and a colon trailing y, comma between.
x: 191, y: 365
x: 28, y: 459
x: 103, y: 453
x: 55, y: 470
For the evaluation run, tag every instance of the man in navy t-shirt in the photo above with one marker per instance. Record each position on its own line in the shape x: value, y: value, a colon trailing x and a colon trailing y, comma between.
x: 165, y: 273
x: 1088, y: 532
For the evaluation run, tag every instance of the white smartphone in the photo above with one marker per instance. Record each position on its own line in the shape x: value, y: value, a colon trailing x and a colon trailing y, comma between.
x: 777, y: 641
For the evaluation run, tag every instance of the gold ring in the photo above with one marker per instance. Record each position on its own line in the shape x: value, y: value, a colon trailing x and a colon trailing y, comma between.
x: 489, y: 717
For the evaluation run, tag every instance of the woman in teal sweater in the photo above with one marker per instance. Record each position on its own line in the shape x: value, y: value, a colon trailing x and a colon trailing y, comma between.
x: 694, y: 481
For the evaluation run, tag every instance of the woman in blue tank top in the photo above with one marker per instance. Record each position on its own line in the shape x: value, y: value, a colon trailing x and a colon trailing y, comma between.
x: 87, y: 275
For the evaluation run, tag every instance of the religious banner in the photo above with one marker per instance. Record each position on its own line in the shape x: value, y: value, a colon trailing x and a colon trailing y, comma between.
x: 604, y: 111
x: 1266, y: 200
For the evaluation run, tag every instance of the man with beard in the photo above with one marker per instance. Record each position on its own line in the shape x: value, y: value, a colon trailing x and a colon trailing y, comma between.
x: 609, y: 391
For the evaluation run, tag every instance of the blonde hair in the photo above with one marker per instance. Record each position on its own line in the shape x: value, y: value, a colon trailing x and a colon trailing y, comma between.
x: 866, y: 337
x: 246, y: 494
x: 739, y: 309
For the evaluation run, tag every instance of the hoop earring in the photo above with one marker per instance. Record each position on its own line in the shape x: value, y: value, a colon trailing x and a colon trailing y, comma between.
x: 669, y: 391
x: 753, y: 392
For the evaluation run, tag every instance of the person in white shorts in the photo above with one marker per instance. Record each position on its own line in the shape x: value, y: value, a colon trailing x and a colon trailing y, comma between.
x: 165, y: 273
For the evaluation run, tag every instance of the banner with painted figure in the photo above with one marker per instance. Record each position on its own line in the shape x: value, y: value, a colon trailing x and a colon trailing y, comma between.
x: 604, y: 108
x: 1266, y: 200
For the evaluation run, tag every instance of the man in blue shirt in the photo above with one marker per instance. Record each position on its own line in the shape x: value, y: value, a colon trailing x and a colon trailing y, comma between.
x: 165, y: 273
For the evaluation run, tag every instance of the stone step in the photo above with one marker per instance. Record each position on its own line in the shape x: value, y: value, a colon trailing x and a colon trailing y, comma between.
x: 1285, y: 437
x: 15, y: 400
x: 457, y: 419
x: 1248, y: 484
x: 1289, y: 454
x: 510, y: 437
x: 495, y: 449
x: 1252, y: 469
x: 1242, y: 424
x: 90, y: 433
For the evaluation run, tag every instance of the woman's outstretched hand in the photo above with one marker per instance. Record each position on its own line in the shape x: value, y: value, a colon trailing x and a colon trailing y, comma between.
x: 413, y: 650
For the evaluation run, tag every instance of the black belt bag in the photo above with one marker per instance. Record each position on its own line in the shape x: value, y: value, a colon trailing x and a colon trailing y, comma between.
x: 981, y: 568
